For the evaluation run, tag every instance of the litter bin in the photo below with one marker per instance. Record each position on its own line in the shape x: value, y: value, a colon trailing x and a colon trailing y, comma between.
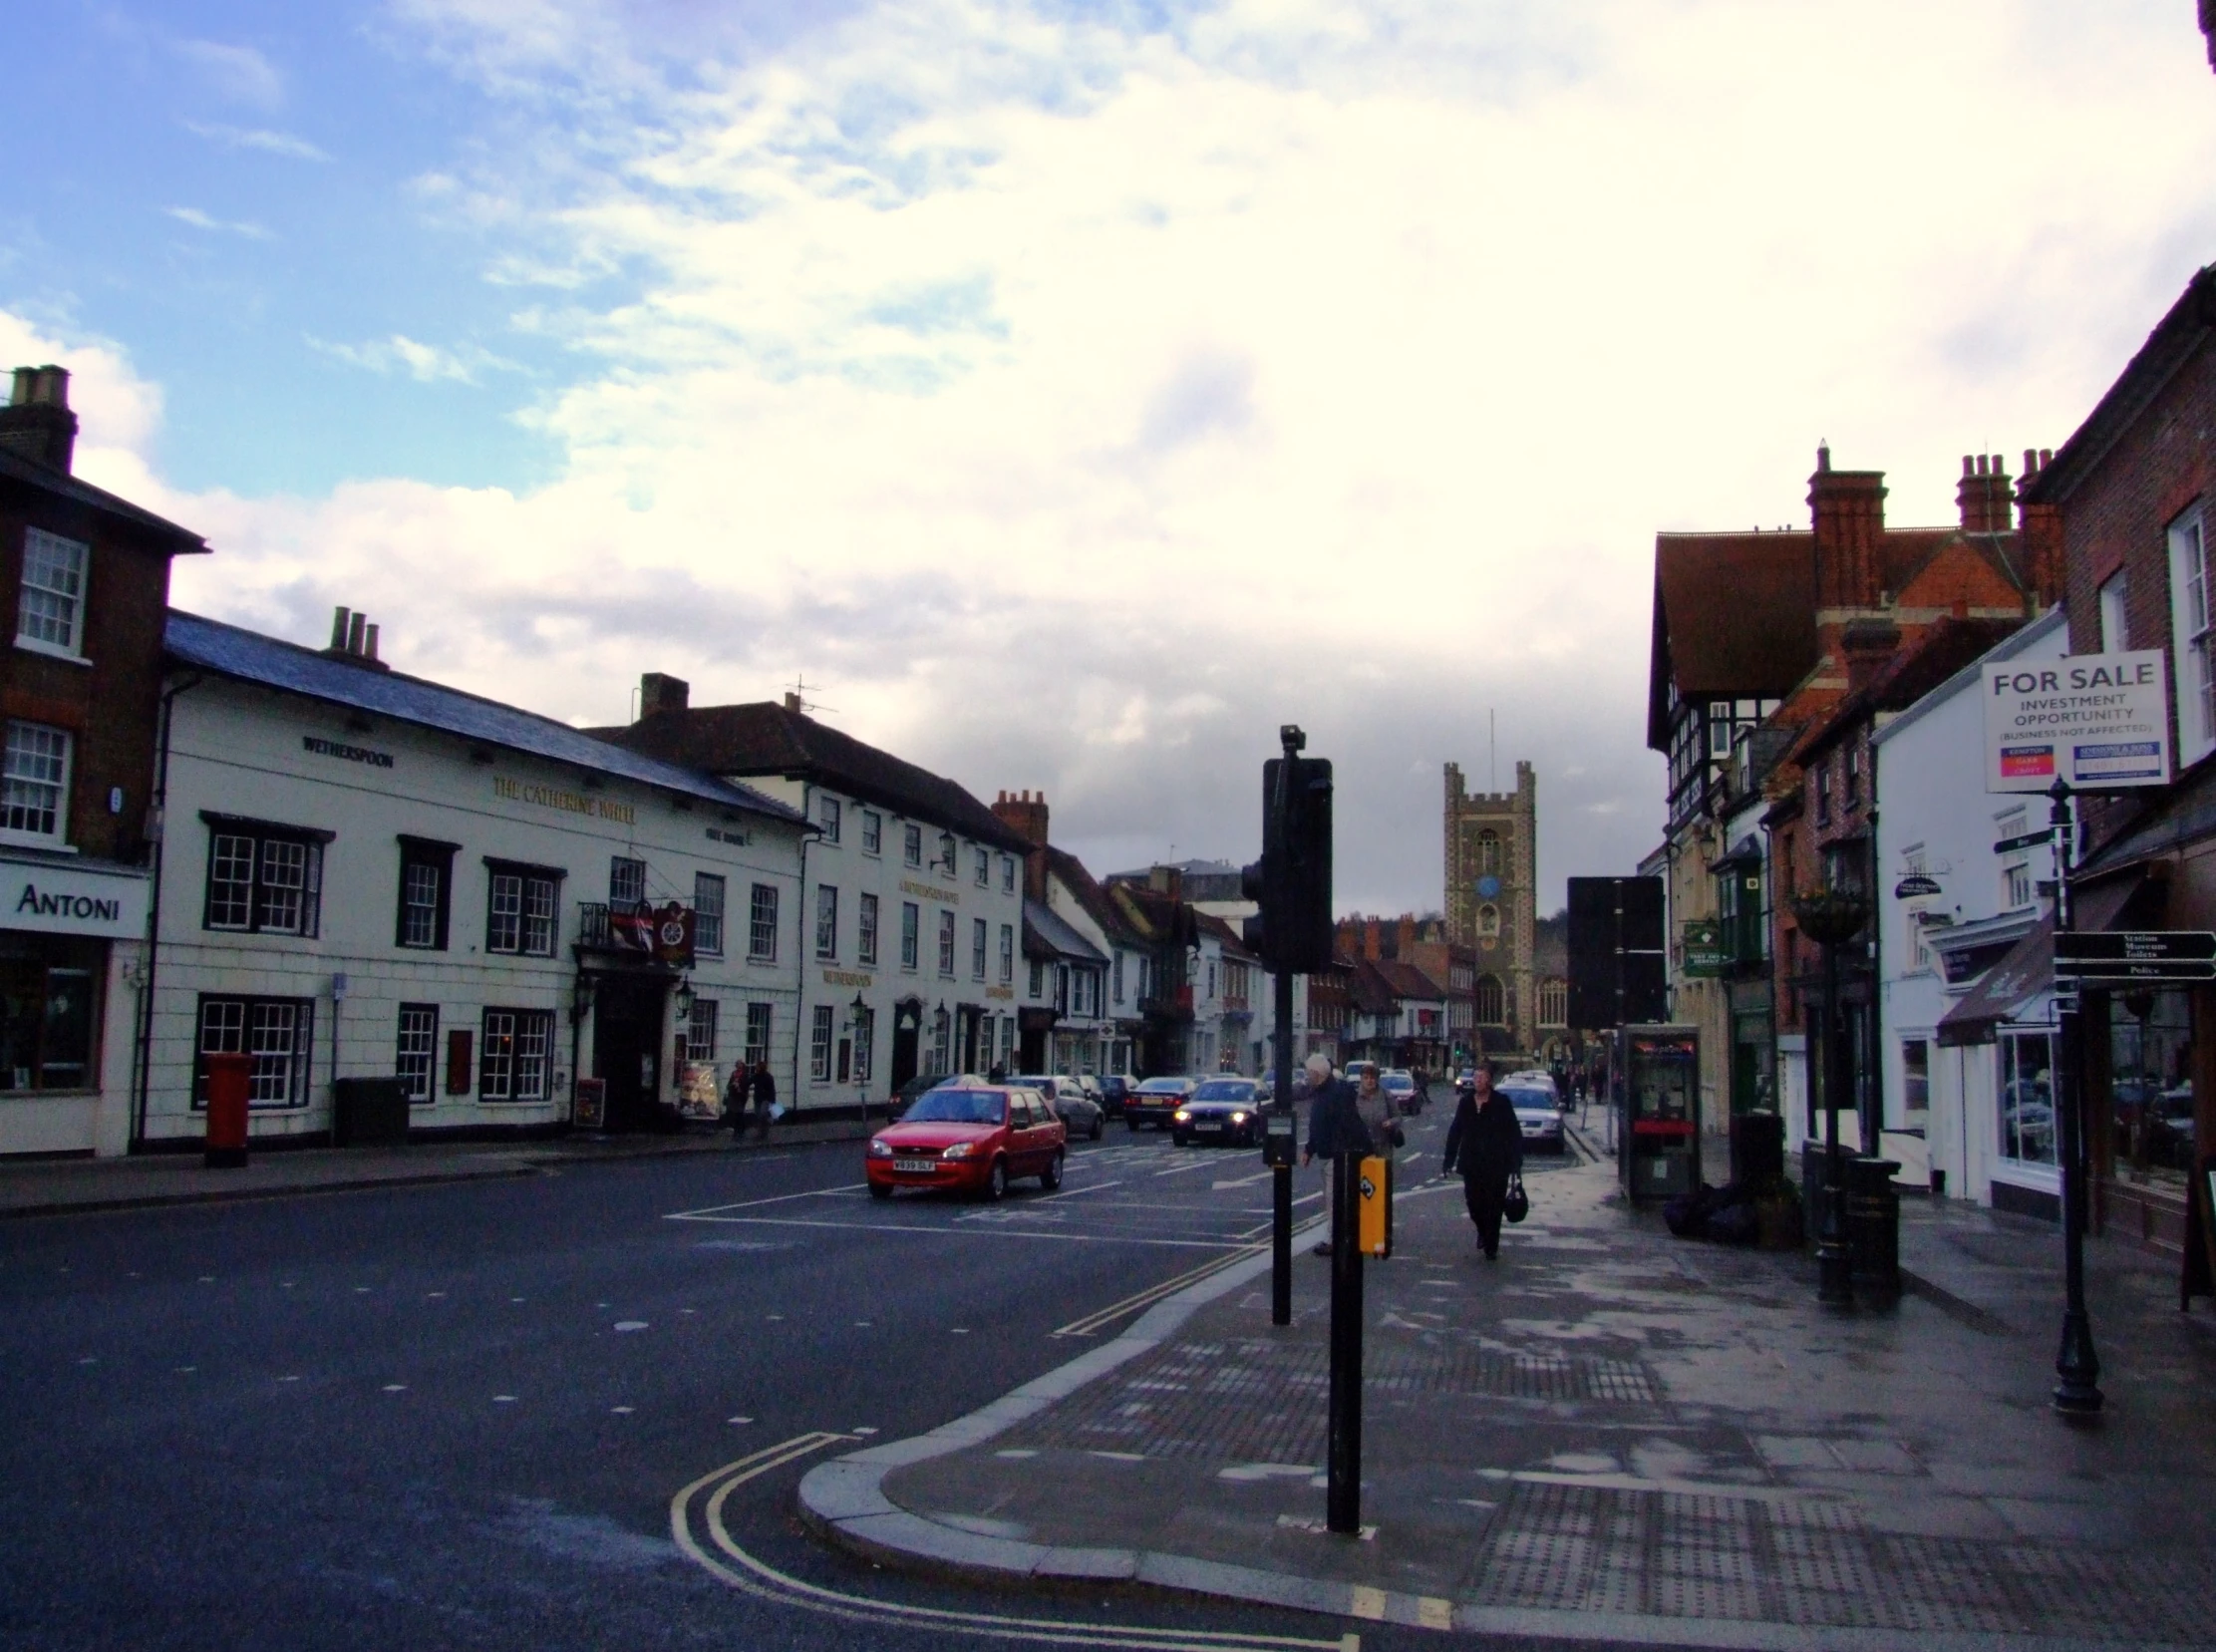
x: 227, y: 1081
x: 369, y: 1113
x: 1873, y: 1225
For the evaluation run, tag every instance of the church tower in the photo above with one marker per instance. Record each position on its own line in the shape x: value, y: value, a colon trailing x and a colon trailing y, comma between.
x: 1492, y: 863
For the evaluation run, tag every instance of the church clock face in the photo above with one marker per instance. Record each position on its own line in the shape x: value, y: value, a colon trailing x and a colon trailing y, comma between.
x: 1488, y: 887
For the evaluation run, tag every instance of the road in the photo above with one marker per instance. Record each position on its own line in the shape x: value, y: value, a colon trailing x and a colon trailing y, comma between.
x: 460, y: 1415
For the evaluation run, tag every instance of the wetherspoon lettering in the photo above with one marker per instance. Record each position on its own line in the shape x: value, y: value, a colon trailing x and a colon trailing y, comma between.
x: 950, y: 896
x: 351, y: 753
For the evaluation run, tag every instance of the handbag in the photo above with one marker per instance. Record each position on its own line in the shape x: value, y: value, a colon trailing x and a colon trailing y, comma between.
x: 1517, y: 1204
x: 1395, y: 1135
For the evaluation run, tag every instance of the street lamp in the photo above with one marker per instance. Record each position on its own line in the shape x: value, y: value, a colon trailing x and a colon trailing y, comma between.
x: 1831, y: 917
x: 857, y: 1009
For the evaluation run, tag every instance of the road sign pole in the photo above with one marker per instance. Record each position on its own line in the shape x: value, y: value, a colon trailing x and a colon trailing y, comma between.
x: 2077, y: 1364
x: 1342, y: 1494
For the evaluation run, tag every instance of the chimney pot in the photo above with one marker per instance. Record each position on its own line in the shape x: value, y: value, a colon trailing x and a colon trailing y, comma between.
x: 369, y: 646
x: 1966, y: 466
x: 2045, y: 457
x: 355, y: 628
x: 659, y: 691
x: 792, y: 701
x: 37, y: 422
x: 1824, y: 456
x: 2030, y: 462
x: 338, y: 628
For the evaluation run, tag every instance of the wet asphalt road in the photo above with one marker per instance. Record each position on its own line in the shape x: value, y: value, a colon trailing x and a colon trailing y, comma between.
x: 457, y: 1414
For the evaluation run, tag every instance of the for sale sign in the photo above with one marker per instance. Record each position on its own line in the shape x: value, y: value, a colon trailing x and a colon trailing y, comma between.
x: 2099, y: 722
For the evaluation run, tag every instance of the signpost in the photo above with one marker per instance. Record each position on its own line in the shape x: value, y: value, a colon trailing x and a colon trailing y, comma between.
x: 2129, y: 958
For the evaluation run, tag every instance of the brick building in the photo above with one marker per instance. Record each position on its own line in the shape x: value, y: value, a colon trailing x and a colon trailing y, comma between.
x: 86, y: 576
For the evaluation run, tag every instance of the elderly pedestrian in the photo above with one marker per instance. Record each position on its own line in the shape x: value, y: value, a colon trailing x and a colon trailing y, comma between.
x: 764, y: 1092
x: 1335, y: 1124
x: 1486, y: 1143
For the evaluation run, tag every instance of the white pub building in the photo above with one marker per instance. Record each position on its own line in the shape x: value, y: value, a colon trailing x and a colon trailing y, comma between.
x: 364, y: 875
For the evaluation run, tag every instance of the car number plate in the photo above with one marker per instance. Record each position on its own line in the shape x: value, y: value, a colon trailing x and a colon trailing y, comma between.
x: 1209, y: 1125
x: 916, y: 1167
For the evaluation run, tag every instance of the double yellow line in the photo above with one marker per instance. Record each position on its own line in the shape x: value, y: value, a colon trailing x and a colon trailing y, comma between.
x: 745, y: 1572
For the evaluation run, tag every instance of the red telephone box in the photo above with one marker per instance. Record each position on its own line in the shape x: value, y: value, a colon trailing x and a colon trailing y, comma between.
x: 228, y: 1079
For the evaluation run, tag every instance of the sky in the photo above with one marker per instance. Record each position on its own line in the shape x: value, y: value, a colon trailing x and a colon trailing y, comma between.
x: 1071, y: 394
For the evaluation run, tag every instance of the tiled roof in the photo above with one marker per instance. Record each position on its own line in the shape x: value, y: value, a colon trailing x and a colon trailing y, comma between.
x: 1056, y: 932
x: 1734, y: 615
x: 15, y: 468
x: 1231, y: 939
x: 1088, y: 893
x: 1907, y: 677
x: 1407, y: 981
x: 248, y: 656
x: 764, y: 738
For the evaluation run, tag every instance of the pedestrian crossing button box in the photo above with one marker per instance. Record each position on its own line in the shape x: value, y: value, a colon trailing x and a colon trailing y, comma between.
x: 1373, y: 1226
x: 1278, y: 1142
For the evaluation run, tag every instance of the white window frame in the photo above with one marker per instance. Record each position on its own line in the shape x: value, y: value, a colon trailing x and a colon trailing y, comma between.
x: 1007, y: 953
x: 872, y: 831
x: 67, y: 562
x: 911, y: 936
x: 984, y: 868
x: 2114, y: 623
x: 711, y: 898
x: 2193, y: 636
x: 911, y: 844
x: 416, y: 1052
x: 1007, y: 875
x: 762, y: 924
x: 978, y: 943
x: 865, y: 928
x: 31, y: 786
x: 820, y: 1043
x: 946, y: 943
x: 826, y: 920
x: 829, y: 815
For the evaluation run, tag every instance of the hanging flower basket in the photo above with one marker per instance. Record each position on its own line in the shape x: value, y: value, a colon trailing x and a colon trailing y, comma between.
x: 1829, y: 916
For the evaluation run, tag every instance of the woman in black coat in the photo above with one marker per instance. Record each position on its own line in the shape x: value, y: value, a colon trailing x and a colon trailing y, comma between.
x: 1486, y: 1143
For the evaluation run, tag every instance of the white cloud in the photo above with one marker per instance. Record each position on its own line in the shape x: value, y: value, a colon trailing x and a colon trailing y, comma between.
x: 424, y: 363
x: 262, y: 139
x: 238, y: 73
x: 202, y: 220
x: 1078, y: 403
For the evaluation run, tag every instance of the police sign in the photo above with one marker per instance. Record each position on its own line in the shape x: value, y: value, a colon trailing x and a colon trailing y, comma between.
x: 2099, y: 722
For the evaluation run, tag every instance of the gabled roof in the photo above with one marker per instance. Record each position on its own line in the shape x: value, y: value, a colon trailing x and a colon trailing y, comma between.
x: 1734, y: 615
x: 1229, y: 938
x: 1054, y: 932
x: 764, y: 738
x: 1153, y: 916
x: 14, y: 467
x: 1088, y: 893
x: 1408, y: 981
x: 247, y: 656
x: 1907, y: 677
x: 1369, y: 991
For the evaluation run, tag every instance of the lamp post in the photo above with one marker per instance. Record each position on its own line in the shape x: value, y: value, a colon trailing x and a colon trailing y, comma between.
x: 1832, y: 916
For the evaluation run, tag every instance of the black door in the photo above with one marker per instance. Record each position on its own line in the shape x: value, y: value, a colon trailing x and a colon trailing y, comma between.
x: 907, y: 1021
x: 627, y: 1051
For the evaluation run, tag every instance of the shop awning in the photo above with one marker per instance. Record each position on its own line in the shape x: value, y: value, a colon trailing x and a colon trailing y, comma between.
x: 2027, y: 970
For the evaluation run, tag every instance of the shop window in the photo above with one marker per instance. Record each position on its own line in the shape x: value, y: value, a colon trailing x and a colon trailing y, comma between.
x: 865, y: 919
x: 50, y: 614
x: 872, y: 830
x: 946, y: 943
x: 911, y: 844
x: 2028, y: 1098
x: 426, y: 881
x: 979, y: 931
x: 708, y: 915
x: 700, y: 1031
x: 826, y: 920
x: 33, y: 790
x: 820, y: 1043
x: 762, y: 924
x: 416, y: 1051
x: 757, y: 1033
x: 519, y: 909
x: 279, y: 1033
x: 512, y: 1055
x: 263, y: 879
x: 46, y: 1025
x: 911, y: 920
x: 2150, y: 1083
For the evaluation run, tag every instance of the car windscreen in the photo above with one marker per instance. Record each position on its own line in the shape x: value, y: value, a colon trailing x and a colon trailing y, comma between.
x: 1224, y: 1090
x: 1528, y: 1100
x: 1393, y: 1081
x: 1162, y: 1086
x: 957, y: 1107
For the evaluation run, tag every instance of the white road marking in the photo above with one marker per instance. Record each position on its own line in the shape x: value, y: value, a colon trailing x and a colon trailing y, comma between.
x: 396, y: 1387
x: 630, y: 1324
x: 976, y: 1232
x: 1243, y: 1181
x: 288, y: 1378
x: 958, y: 1331
x: 1181, y: 1169
x: 503, y: 1399
x: 620, y: 1410
x: 1073, y: 1193
x: 709, y: 1210
x: 861, y: 1430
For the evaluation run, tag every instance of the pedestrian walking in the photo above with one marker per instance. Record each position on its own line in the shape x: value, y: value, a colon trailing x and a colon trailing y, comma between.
x: 764, y: 1092
x: 1486, y: 1143
x: 738, y: 1090
x: 1335, y: 1124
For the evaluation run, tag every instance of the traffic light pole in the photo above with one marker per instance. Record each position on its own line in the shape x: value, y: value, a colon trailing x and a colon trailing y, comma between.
x: 1343, y: 1450
x: 1281, y: 1172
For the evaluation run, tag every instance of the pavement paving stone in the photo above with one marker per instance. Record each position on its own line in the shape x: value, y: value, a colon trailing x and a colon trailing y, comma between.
x: 1607, y: 1421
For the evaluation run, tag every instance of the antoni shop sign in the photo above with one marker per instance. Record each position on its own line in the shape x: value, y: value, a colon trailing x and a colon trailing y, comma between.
x: 53, y: 901
x: 2098, y: 721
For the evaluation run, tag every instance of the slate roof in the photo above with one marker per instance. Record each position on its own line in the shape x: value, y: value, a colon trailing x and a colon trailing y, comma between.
x: 1232, y: 941
x: 766, y: 738
x: 1089, y: 895
x: 14, y: 467
x: 1054, y: 932
x: 248, y: 656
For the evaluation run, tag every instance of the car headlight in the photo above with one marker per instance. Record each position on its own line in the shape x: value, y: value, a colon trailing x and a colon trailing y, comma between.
x: 1238, y: 1118
x: 960, y: 1149
x: 880, y: 1149
x: 1182, y: 1116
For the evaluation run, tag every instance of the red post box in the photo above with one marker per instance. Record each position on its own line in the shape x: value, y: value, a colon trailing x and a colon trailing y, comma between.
x: 227, y: 1081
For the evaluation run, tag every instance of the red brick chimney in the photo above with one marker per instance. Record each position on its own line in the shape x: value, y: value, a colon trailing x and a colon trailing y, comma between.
x: 1984, y: 495
x: 1848, y: 510
x: 1868, y: 646
x: 37, y: 422
x: 2042, y: 537
x: 660, y: 692
x: 1025, y: 816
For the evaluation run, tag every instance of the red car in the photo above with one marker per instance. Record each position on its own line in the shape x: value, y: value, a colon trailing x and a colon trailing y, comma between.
x: 974, y: 1138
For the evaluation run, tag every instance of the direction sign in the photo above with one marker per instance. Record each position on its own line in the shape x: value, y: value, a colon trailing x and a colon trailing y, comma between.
x: 2135, y: 956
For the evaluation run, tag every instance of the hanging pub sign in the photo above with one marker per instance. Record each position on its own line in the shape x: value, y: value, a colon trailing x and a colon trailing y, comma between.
x: 1704, y: 948
x: 2097, y: 722
x: 663, y: 933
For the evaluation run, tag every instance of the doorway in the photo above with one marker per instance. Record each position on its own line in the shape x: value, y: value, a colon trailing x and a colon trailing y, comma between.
x: 907, y: 1029
x: 627, y: 1050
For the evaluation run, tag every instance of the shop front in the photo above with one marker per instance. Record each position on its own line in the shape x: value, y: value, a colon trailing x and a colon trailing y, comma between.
x: 69, y: 954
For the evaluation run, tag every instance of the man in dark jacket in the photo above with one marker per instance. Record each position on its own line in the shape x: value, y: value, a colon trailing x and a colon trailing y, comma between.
x: 765, y: 1097
x: 1335, y: 1125
x: 1486, y: 1143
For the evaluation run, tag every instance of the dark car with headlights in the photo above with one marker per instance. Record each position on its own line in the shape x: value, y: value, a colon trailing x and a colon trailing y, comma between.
x: 1221, y: 1110
x: 1155, y: 1100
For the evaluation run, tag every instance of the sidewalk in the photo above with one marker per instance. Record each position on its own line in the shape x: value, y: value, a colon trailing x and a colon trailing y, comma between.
x: 55, y: 1187
x: 1609, y: 1434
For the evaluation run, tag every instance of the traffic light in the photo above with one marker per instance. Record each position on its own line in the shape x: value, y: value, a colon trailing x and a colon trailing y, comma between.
x: 1292, y: 881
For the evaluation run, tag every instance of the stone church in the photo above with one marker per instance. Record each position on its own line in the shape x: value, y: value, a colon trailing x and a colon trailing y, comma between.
x: 1492, y: 901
